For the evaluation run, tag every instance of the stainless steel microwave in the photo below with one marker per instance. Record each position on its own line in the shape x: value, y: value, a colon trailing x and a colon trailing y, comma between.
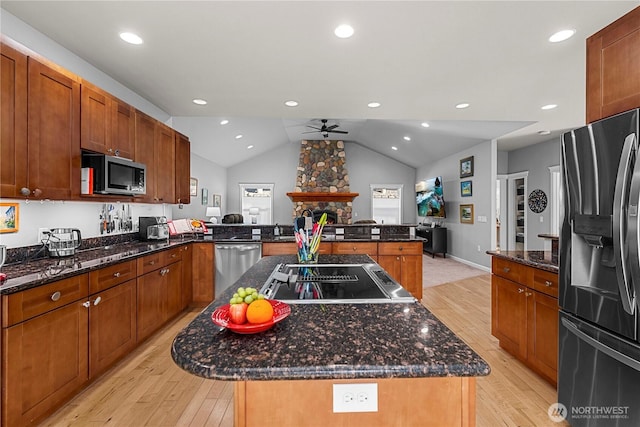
x: 116, y: 175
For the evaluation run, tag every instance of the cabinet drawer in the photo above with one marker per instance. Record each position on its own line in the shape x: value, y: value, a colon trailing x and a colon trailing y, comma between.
x: 366, y: 248
x: 27, y: 304
x: 400, y: 248
x: 544, y: 281
x: 110, y: 276
x: 172, y: 255
x: 150, y: 262
x: 507, y: 269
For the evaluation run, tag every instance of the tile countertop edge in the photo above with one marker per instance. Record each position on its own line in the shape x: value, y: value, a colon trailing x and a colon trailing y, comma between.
x: 538, y: 259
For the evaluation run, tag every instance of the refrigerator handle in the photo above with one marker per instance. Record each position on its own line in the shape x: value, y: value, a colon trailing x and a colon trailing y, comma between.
x: 633, y: 238
x: 620, y: 357
x: 620, y: 204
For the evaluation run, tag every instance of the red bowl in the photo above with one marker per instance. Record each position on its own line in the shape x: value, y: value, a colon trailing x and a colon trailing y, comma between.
x: 220, y: 317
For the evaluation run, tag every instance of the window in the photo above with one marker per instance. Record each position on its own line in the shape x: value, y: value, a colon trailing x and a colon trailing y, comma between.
x: 257, y: 203
x: 555, y: 199
x: 386, y: 203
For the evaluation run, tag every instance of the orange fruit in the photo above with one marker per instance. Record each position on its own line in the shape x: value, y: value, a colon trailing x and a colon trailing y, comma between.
x: 259, y: 311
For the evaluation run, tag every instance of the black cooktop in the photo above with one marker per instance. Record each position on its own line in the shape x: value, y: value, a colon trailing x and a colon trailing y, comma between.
x: 333, y: 283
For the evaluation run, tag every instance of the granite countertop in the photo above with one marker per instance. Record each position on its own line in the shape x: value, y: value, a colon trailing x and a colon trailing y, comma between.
x: 326, y: 341
x: 544, y: 260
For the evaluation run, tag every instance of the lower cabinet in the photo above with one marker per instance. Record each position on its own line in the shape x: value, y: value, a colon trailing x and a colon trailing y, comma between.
x: 525, y: 320
x: 159, y: 298
x: 203, y: 273
x: 403, y: 260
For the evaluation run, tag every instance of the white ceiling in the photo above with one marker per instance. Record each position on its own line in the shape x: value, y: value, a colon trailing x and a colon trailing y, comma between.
x: 417, y: 58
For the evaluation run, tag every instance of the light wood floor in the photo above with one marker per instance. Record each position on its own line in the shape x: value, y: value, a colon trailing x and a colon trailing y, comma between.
x: 148, y: 389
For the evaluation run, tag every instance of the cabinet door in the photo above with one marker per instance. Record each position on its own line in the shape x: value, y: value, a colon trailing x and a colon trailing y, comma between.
x: 613, y: 68
x: 95, y: 120
x: 284, y: 248
x: 112, y: 320
x: 509, y: 315
x: 183, y: 168
x: 144, y: 148
x: 13, y: 116
x: 542, y: 348
x: 411, y: 274
x: 173, y: 276
x: 392, y: 264
x: 151, y: 303
x: 45, y: 360
x: 53, y: 133
x: 123, y: 126
x: 348, y: 248
x: 203, y: 271
x: 187, y: 275
x: 165, y: 164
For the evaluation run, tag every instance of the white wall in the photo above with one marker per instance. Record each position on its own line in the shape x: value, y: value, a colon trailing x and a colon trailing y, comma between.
x: 463, y: 240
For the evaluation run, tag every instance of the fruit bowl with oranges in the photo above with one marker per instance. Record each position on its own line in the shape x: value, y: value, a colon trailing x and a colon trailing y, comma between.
x: 249, y: 312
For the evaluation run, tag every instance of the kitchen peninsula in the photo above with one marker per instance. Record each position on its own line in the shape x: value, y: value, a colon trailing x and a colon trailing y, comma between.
x: 424, y: 374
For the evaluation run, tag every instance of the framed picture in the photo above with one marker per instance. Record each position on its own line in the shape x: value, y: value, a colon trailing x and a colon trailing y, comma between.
x: 216, y: 200
x: 466, y: 214
x: 9, y: 217
x: 193, y: 187
x: 465, y: 189
x: 205, y: 196
x: 466, y: 167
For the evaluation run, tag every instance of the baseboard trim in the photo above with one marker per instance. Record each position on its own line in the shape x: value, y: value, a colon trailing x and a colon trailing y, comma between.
x: 469, y: 263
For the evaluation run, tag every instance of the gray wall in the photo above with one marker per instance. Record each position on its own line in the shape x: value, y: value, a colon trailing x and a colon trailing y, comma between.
x: 279, y: 167
x: 467, y: 241
x: 536, y: 159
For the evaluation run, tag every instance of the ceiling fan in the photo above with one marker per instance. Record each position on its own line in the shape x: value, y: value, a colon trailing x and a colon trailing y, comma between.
x: 325, y: 130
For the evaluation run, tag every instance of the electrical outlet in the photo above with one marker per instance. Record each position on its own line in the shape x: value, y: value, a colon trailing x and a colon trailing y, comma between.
x: 42, y: 234
x: 355, y: 397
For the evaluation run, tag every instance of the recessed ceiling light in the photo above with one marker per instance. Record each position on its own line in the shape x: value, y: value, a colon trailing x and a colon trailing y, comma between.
x: 291, y: 103
x: 238, y: 136
x: 224, y: 122
x: 462, y: 105
x: 407, y: 138
x: 548, y: 107
x: 200, y: 101
x: 249, y: 147
x: 373, y: 104
x: 394, y: 148
x: 344, y: 31
x: 131, y: 38
x: 561, y: 36
x: 544, y: 132
x: 424, y: 124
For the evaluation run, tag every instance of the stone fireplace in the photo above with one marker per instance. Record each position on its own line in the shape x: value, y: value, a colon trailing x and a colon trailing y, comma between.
x: 322, y: 180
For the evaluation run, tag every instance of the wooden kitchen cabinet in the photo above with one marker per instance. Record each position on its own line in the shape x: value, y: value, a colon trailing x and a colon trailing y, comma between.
x: 350, y: 248
x: 183, y: 169
x: 403, y: 261
x: 13, y: 116
x: 203, y: 273
x: 164, y: 164
x: 613, y: 68
x: 53, y: 133
x: 525, y: 320
x: 107, y: 124
x: 187, y: 275
x: 45, y: 341
x: 291, y: 248
x: 144, y: 150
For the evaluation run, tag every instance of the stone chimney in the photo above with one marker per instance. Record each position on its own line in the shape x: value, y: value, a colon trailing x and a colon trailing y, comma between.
x: 322, y: 180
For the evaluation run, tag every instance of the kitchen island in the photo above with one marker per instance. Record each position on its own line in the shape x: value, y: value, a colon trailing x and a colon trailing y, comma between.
x: 424, y: 374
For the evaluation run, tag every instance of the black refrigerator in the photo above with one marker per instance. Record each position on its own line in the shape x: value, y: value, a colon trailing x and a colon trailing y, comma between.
x: 599, y: 267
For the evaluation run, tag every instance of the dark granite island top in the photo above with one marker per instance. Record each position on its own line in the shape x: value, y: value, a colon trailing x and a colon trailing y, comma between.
x: 544, y: 260
x: 326, y: 341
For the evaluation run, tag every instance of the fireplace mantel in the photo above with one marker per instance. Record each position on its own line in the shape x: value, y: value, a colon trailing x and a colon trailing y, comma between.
x: 300, y: 196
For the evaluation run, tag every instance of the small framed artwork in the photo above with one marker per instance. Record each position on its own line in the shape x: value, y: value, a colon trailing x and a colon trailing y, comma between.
x: 466, y: 167
x: 193, y: 187
x: 216, y: 200
x: 466, y: 189
x: 9, y: 217
x: 205, y: 196
x: 466, y: 214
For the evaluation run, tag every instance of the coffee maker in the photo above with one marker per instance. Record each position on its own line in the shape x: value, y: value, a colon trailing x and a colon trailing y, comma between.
x: 153, y: 228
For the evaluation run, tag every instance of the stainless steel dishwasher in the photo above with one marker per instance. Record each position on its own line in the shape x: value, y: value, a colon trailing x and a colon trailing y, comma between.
x: 232, y: 260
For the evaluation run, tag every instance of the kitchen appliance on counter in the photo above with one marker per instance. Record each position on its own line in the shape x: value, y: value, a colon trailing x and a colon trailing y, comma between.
x: 333, y: 284
x: 153, y: 228
x: 599, y: 282
x: 232, y: 260
x: 116, y: 175
x: 62, y: 242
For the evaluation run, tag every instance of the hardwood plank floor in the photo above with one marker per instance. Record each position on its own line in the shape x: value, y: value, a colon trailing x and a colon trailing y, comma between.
x: 148, y: 389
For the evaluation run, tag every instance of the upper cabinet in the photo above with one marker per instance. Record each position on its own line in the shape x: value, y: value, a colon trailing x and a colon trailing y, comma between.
x: 165, y: 163
x: 144, y: 148
x: 183, y: 168
x: 613, y: 68
x: 107, y: 124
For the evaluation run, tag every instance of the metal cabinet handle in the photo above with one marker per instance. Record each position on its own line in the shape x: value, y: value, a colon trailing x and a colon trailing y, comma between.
x: 174, y: 255
x: 56, y: 296
x: 520, y: 290
x: 528, y: 294
x: 506, y: 269
x: 548, y: 283
x: 151, y: 262
x: 97, y: 301
x: 116, y: 274
x: 86, y: 304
